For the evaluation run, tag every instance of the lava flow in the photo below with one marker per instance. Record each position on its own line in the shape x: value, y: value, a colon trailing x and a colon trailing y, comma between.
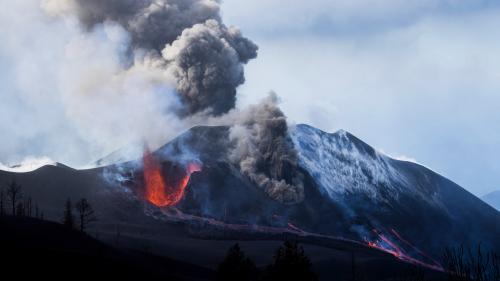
x: 386, y: 244
x: 161, y: 191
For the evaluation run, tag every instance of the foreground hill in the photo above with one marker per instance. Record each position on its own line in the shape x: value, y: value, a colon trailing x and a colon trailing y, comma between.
x: 42, y: 249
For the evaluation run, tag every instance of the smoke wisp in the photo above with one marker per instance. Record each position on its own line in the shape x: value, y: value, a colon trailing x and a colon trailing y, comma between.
x: 265, y: 153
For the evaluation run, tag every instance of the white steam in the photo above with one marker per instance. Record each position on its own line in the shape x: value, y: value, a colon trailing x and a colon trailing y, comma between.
x: 28, y: 164
x: 76, y: 96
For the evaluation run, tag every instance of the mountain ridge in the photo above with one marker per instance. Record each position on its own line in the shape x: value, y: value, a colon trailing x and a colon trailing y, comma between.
x: 493, y: 199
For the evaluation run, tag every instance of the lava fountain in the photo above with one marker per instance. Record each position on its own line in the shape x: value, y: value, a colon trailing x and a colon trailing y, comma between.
x: 165, y: 191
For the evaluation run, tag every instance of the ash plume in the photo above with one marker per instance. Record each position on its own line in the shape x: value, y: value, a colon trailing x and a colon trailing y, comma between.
x: 264, y: 152
x: 206, y: 61
x: 151, y: 23
x: 205, y: 57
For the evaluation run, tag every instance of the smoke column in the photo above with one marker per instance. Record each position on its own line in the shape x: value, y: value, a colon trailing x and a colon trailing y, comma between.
x: 264, y: 152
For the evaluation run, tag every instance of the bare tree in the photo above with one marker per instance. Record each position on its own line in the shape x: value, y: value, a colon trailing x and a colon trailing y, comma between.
x: 468, y: 264
x: 86, y: 213
x: 2, y: 202
x: 117, y: 235
x: 29, y: 207
x: 68, y: 218
x: 20, y: 209
x: 14, y: 193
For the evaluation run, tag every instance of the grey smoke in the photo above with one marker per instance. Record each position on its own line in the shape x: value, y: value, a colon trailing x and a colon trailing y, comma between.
x: 151, y: 23
x: 207, y: 63
x: 204, y: 55
x: 264, y: 152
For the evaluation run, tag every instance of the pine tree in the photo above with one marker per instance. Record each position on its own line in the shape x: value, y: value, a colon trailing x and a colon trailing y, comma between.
x: 14, y: 194
x: 2, y: 202
x: 290, y: 264
x: 29, y: 207
x: 68, y: 218
x: 86, y: 214
x: 20, y: 210
x: 236, y: 266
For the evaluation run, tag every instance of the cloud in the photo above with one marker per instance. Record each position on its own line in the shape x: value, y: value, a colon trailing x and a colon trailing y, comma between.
x: 65, y: 94
x: 28, y: 164
x: 338, y: 17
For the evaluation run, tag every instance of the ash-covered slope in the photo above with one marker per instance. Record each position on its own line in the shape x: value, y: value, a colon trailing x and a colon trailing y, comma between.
x: 426, y: 208
x: 53, y: 251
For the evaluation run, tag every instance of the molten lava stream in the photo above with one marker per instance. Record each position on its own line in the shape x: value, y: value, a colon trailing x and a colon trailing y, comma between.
x: 384, y: 243
x: 160, y: 192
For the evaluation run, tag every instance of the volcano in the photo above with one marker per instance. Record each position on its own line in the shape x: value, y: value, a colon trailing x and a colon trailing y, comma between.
x: 357, y: 200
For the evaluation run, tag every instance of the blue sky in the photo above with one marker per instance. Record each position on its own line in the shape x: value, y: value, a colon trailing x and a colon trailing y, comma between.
x: 416, y: 79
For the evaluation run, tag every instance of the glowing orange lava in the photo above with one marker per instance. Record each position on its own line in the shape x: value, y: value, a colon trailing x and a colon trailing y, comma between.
x: 160, y: 192
x: 386, y: 244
